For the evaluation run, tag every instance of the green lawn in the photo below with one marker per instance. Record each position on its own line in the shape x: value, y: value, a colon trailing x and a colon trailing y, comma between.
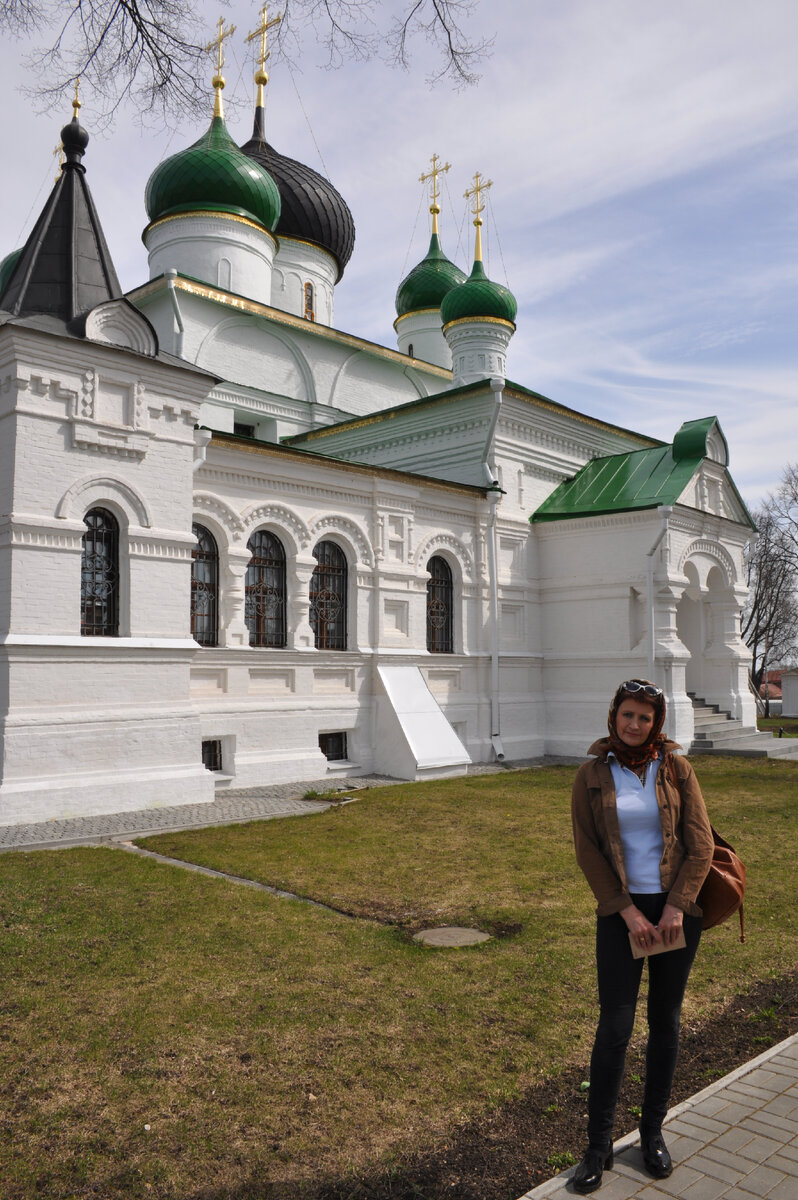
x: 170, y: 1035
x: 789, y: 725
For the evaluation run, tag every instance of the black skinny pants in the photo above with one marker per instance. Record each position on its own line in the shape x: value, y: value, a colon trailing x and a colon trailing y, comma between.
x: 619, y: 978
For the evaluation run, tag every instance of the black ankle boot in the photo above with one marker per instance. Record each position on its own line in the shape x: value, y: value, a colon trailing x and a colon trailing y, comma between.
x: 587, y: 1176
x: 656, y: 1158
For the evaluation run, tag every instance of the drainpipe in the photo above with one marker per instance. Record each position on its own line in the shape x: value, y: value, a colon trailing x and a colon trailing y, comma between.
x: 170, y: 277
x: 497, y: 387
x: 664, y: 511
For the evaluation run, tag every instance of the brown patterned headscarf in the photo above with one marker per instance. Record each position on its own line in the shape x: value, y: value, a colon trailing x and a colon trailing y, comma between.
x: 636, y: 757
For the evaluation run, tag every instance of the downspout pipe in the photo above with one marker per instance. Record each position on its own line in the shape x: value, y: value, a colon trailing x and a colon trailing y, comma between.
x: 170, y: 277
x: 497, y: 387
x: 664, y: 511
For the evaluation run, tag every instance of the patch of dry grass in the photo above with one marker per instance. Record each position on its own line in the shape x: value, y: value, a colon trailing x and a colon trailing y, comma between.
x: 268, y: 1044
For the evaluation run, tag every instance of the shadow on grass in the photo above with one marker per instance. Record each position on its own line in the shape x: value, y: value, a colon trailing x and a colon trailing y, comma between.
x: 507, y: 1152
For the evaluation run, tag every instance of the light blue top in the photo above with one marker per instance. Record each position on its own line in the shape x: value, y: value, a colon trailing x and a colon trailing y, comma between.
x: 641, y: 828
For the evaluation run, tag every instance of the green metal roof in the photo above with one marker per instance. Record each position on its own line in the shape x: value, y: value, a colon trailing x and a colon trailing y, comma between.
x: 428, y: 282
x: 213, y: 175
x: 637, y: 480
x: 479, y: 297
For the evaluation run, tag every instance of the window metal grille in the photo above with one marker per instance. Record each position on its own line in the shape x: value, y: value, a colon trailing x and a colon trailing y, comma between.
x: 99, y: 575
x: 264, y: 590
x: 310, y: 310
x: 240, y: 429
x: 333, y: 746
x: 204, y: 588
x: 212, y: 754
x: 328, y: 587
x: 440, y: 604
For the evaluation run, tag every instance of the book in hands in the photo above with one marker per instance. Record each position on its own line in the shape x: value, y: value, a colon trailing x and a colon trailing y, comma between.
x: 657, y: 948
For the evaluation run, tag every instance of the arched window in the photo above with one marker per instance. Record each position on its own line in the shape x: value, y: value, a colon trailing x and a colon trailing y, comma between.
x: 99, y: 575
x: 310, y: 303
x: 328, y: 586
x: 204, y: 588
x: 264, y: 590
x: 440, y: 603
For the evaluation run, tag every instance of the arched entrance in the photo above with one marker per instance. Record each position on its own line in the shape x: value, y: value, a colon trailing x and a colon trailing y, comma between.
x: 708, y: 625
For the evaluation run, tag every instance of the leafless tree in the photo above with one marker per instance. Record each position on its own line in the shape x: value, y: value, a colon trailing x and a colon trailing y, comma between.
x: 147, y: 50
x: 770, y: 618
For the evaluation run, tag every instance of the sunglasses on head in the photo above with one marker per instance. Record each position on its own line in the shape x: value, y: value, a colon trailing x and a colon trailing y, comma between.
x: 633, y: 688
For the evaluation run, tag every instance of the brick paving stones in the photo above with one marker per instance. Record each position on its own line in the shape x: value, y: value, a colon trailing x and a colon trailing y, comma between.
x: 737, y: 1140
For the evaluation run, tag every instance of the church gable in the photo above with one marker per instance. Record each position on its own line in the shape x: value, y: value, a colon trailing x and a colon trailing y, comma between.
x: 691, y: 471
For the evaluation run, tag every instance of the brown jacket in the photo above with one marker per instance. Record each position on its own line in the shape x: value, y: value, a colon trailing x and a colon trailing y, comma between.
x: 688, y: 842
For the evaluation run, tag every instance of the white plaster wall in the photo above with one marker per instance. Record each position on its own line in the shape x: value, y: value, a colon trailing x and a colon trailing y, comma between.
x: 96, y: 724
x: 271, y: 705
x: 420, y: 335
x: 224, y: 251
x: 296, y: 264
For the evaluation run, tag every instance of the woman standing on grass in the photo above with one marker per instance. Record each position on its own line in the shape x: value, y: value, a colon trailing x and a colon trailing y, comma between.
x: 644, y: 843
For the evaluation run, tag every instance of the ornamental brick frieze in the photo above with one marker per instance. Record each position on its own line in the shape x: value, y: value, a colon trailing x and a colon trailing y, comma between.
x: 33, y: 387
x: 223, y: 514
x: 172, y: 547
x: 109, y: 414
x: 283, y: 518
x: 38, y: 533
x: 714, y: 551
x: 333, y: 523
x: 428, y: 546
x: 98, y: 489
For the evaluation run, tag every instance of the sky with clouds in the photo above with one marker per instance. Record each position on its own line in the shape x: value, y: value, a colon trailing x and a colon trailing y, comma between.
x: 644, y: 208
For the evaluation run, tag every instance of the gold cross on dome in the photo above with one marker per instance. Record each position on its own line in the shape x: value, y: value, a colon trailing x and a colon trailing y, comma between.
x: 261, y: 32
x: 217, y: 43
x: 480, y: 186
x: 76, y: 102
x: 433, y: 175
x: 218, y: 79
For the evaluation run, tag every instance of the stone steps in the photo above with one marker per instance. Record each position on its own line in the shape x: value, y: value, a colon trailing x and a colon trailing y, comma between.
x: 717, y: 732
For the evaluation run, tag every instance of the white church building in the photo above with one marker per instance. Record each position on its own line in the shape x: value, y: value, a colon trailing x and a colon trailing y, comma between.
x: 240, y: 547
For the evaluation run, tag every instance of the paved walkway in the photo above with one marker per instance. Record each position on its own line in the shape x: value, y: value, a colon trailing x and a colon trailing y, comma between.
x: 229, y: 807
x: 737, y: 1140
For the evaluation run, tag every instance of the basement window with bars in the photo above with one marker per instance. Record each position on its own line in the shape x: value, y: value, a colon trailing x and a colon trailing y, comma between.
x: 333, y: 746
x: 212, y: 754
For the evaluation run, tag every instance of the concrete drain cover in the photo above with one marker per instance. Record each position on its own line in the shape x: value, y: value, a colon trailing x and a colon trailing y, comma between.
x: 451, y: 935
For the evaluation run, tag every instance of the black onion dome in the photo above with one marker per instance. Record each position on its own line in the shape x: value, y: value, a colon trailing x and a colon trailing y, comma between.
x: 311, y: 208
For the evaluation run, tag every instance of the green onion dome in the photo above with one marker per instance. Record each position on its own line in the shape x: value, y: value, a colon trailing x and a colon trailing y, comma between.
x: 7, y: 267
x: 213, y: 175
x: 428, y: 282
x: 479, y: 298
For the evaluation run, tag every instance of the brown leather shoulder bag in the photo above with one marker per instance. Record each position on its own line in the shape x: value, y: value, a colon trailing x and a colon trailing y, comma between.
x: 723, y: 889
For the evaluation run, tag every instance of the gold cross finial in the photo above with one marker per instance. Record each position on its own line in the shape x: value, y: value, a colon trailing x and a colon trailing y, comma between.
x: 480, y: 186
x: 76, y: 101
x: 218, y: 79
x: 261, y: 75
x: 433, y: 195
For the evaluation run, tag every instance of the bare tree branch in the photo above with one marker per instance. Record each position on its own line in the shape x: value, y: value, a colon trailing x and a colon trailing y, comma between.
x: 146, y: 51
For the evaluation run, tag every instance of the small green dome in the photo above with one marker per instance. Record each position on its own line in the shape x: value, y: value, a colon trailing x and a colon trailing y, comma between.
x: 7, y: 267
x: 428, y: 282
x: 214, y: 175
x: 479, y: 297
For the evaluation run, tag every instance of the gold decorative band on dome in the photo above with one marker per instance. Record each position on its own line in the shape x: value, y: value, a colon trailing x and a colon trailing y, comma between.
x: 212, y: 212
x: 416, y: 312
x: 480, y: 321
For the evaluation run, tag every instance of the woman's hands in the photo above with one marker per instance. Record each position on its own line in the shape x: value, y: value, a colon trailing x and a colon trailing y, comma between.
x: 670, y: 923
x: 646, y: 934
x: 643, y: 932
